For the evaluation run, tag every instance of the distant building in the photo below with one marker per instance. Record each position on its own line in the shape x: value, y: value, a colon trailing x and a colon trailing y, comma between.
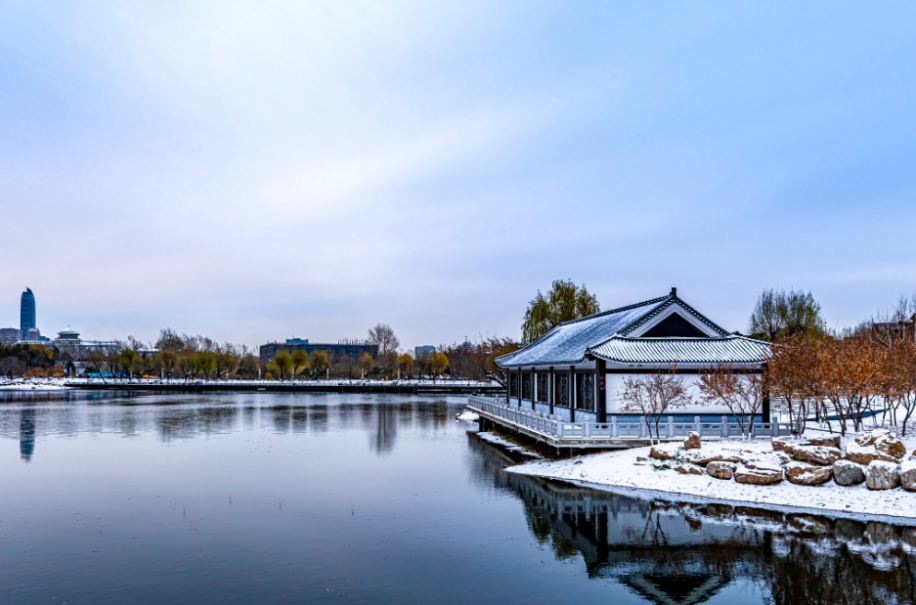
x: 343, y: 348
x: 9, y: 336
x: 424, y: 350
x: 27, y: 313
x: 69, y: 341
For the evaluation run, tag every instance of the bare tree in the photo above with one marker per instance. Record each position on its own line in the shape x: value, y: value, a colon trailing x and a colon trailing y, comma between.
x: 383, y: 336
x: 742, y: 392
x: 652, y: 395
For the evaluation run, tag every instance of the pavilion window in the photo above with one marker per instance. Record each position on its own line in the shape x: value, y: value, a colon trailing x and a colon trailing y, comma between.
x: 561, y: 390
x: 543, y: 390
x: 585, y: 392
x: 513, y: 384
x: 526, y: 386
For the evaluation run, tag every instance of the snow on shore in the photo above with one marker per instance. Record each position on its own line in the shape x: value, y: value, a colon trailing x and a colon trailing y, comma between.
x: 31, y: 386
x: 468, y: 416
x: 621, y: 472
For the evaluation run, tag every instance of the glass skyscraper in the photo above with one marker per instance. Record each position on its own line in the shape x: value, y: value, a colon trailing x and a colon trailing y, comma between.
x: 27, y: 312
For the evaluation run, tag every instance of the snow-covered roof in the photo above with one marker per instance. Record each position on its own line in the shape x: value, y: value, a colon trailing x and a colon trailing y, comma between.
x: 733, y: 349
x: 569, y: 342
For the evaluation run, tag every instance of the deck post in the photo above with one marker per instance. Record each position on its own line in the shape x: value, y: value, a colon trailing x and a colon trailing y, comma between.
x: 615, y: 430
x: 724, y: 426
x: 696, y: 422
x: 600, y: 392
x: 670, y: 426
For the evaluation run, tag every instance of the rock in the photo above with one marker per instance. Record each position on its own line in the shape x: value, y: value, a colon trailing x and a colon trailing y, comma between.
x: 688, y: 469
x: 864, y: 454
x: 890, y: 446
x: 662, y: 465
x: 698, y: 457
x: 659, y: 453
x: 908, y: 474
x: 881, y: 474
x: 847, y: 473
x: 779, y: 443
x: 692, y: 442
x: 802, y: 473
x: 764, y: 462
x: 720, y: 469
x: 827, y: 440
x: 817, y: 454
x: 871, y: 437
x: 783, y: 458
x: 758, y: 476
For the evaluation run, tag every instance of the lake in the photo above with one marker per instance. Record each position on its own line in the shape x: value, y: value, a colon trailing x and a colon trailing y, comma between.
x: 243, y: 498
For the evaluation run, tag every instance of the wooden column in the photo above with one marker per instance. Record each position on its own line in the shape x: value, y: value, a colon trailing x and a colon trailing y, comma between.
x: 600, y: 390
x: 572, y: 393
x: 519, y: 387
x: 534, y: 389
x: 766, y: 395
x: 551, y: 387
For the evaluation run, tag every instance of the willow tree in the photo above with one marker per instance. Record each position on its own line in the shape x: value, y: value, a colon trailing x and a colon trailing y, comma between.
x: 563, y: 302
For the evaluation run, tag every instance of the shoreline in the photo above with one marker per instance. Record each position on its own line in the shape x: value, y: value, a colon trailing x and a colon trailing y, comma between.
x: 620, y: 472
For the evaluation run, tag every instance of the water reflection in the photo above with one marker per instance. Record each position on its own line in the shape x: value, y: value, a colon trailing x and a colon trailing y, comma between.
x: 683, y: 553
x: 26, y: 433
x: 30, y: 416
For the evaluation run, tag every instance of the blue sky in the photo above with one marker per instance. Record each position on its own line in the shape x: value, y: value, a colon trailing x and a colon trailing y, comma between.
x: 257, y: 170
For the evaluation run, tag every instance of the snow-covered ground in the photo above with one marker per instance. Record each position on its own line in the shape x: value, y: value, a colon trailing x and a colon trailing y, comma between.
x: 624, y: 472
x: 496, y: 439
x: 29, y: 385
x: 468, y: 415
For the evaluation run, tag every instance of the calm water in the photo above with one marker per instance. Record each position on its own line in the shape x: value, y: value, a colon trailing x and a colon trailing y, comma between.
x: 373, y: 499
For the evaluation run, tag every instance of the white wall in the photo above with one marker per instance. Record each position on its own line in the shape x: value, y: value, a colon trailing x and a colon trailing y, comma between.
x: 614, y: 384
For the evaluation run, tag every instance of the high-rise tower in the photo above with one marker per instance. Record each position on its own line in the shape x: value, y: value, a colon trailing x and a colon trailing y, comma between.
x: 27, y: 312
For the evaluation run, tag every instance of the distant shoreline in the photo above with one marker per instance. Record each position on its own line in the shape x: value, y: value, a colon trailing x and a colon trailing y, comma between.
x: 320, y: 386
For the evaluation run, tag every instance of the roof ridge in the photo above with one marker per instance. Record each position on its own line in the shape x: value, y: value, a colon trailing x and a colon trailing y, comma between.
x: 617, y: 310
x: 673, y: 298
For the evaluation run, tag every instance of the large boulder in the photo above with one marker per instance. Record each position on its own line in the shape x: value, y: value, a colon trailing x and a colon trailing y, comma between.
x: 720, y: 469
x: 758, y: 476
x: 692, y: 442
x: 802, y: 473
x: 662, y: 453
x: 881, y: 474
x: 688, y: 469
x: 817, y: 454
x: 890, y: 446
x: 870, y: 437
x: 703, y: 458
x: 865, y: 453
x: 908, y: 475
x: 779, y: 443
x: 847, y: 473
x: 826, y: 440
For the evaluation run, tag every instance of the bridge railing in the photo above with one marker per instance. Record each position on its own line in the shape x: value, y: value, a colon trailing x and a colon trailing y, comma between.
x: 619, y: 428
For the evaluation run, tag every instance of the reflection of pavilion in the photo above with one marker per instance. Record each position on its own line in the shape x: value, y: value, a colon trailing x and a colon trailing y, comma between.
x: 627, y: 540
x: 679, y: 554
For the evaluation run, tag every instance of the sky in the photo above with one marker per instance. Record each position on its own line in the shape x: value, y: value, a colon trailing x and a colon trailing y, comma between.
x: 254, y: 171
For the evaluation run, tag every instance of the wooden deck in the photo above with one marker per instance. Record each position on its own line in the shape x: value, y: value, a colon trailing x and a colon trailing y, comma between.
x: 617, y: 433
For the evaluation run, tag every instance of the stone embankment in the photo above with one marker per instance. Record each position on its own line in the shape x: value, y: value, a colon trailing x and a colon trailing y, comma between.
x: 879, y: 459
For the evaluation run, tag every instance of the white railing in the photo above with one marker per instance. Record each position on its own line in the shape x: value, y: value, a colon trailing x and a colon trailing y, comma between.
x: 617, y: 428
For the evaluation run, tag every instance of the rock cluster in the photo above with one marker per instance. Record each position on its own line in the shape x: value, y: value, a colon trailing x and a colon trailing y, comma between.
x: 876, y: 459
